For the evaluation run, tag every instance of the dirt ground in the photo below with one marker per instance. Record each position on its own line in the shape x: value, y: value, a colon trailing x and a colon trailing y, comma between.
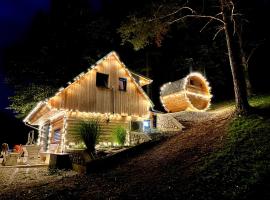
x: 156, y: 173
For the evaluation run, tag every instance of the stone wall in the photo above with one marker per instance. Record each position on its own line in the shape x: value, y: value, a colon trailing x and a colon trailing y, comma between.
x: 167, y: 123
x: 135, y: 138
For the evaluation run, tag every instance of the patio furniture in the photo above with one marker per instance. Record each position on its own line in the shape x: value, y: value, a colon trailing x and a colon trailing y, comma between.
x: 11, y: 158
x: 31, y: 152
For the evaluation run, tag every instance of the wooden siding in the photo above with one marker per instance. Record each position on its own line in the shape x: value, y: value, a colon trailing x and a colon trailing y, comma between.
x: 175, y: 102
x: 85, y: 96
x: 106, y: 128
x: 43, y: 110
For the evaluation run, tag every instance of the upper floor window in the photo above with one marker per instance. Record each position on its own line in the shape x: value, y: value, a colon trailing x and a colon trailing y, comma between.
x: 102, y: 80
x: 122, y: 84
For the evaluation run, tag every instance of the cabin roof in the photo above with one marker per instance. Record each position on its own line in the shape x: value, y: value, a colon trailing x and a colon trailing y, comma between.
x: 139, y: 80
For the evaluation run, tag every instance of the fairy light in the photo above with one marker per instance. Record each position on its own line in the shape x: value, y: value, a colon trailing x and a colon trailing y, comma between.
x: 63, y: 135
x: 39, y: 134
x: 49, y: 138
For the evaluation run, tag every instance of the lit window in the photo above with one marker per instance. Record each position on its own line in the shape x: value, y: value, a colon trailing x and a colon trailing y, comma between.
x: 102, y: 80
x: 146, y: 125
x: 56, y: 136
x: 122, y: 84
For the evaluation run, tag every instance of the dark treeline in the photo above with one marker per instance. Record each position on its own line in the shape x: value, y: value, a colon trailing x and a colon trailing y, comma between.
x: 74, y: 34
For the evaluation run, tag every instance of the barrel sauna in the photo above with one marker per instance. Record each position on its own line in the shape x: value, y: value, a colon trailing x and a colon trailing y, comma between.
x: 190, y: 93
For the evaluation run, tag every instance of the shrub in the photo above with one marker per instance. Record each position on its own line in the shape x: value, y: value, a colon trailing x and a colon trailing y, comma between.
x: 119, y: 135
x: 90, y: 132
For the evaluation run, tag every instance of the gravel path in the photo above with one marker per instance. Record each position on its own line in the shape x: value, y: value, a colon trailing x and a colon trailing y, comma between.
x: 157, y: 173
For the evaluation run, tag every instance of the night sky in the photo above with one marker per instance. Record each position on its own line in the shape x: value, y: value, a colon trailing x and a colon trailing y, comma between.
x: 15, y: 19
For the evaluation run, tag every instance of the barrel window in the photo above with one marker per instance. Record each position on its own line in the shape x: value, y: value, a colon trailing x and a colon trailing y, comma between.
x: 102, y: 80
x: 122, y: 84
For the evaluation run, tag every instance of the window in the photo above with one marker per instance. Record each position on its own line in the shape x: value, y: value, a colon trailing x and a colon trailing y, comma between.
x: 136, y: 126
x: 122, y: 84
x: 146, y: 125
x: 102, y: 80
x: 56, y: 136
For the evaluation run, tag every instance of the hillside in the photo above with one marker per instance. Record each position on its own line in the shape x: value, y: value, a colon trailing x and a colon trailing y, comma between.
x: 215, y: 157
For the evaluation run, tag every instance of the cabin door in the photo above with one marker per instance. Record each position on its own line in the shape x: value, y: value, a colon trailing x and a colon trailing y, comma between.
x: 44, y: 136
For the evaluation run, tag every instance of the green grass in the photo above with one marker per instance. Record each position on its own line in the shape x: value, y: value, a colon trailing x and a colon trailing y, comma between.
x: 258, y: 101
x: 241, y: 169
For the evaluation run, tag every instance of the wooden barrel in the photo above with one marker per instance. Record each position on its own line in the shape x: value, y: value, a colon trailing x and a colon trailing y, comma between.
x: 190, y: 93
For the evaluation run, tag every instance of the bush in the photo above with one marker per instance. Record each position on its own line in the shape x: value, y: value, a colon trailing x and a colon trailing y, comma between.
x: 119, y: 135
x: 90, y: 132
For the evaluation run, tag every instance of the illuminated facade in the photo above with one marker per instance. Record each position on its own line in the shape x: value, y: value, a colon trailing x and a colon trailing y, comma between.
x: 107, y: 91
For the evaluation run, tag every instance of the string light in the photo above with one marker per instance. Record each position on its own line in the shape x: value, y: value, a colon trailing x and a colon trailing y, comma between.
x: 49, y: 138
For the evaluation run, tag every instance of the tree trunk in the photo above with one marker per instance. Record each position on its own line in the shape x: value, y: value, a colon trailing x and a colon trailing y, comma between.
x: 244, y: 63
x: 247, y: 79
x: 234, y: 53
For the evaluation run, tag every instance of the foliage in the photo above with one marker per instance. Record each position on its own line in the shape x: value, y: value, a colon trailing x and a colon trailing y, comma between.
x: 80, y: 145
x: 140, y: 33
x: 90, y: 132
x: 151, y: 26
x: 119, y: 135
x: 26, y: 98
x: 241, y: 167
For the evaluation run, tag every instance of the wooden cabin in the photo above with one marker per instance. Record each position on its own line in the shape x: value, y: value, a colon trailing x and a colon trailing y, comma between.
x: 107, y: 91
x: 190, y: 93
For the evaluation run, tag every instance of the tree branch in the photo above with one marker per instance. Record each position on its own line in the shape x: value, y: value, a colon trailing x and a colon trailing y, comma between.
x: 196, y: 16
x: 219, y: 30
x: 252, y: 52
x: 173, y: 13
x: 209, y: 22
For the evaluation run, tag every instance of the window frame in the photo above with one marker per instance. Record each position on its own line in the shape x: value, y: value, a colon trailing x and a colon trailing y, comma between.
x: 56, y: 131
x: 124, y: 80
x: 98, y: 81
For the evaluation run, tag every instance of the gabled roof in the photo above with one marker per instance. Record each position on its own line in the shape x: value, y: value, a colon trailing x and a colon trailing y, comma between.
x: 132, y: 78
x: 139, y: 81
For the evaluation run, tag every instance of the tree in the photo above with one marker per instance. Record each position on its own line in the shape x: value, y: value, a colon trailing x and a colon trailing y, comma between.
x: 234, y: 51
x: 25, y: 98
x: 142, y: 31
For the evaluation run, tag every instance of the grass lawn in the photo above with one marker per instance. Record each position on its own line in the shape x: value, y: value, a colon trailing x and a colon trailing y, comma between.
x: 241, y: 169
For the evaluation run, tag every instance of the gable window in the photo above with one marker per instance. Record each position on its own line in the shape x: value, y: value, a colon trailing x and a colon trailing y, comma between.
x: 122, y: 84
x: 102, y: 80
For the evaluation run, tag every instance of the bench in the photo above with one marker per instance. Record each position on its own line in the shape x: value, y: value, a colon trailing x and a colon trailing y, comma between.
x: 31, y: 152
